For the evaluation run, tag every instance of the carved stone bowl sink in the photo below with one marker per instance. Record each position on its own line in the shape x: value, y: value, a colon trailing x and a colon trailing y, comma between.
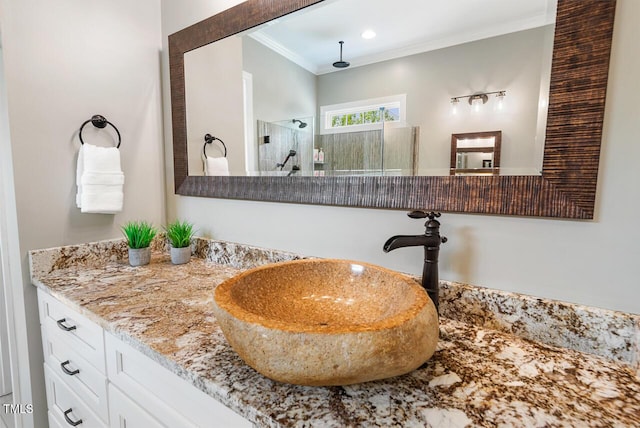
x: 327, y: 322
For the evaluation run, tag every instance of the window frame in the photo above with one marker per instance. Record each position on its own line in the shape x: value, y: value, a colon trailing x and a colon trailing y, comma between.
x: 393, y: 101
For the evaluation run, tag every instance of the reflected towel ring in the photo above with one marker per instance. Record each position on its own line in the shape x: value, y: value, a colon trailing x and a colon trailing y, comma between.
x: 100, y: 122
x: 208, y: 139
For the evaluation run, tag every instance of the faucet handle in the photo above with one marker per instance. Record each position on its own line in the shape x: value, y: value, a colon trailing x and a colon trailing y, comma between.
x: 424, y: 214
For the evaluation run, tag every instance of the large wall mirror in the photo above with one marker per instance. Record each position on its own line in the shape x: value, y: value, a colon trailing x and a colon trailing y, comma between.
x: 291, y: 125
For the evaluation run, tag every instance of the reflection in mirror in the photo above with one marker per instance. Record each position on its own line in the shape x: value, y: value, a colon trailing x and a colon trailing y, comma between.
x: 476, y: 153
x: 218, y: 165
x: 390, y: 112
x: 215, y: 108
x: 285, y: 148
x: 573, y: 132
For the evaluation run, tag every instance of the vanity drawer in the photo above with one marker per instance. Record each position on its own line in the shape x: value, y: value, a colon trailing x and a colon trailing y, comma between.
x: 66, y: 405
x: 75, y: 371
x: 54, y: 422
x: 162, y: 393
x: 78, y: 332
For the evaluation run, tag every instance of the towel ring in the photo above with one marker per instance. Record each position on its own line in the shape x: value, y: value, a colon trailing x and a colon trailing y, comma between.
x: 208, y: 139
x: 100, y: 122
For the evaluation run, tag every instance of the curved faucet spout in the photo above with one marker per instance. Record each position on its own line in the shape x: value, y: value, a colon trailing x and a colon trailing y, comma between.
x: 400, y: 241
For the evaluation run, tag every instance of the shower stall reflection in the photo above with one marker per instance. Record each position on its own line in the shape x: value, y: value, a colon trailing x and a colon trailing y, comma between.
x: 290, y: 148
x: 285, y: 148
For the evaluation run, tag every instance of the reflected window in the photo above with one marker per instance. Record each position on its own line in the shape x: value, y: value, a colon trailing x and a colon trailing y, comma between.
x: 362, y: 115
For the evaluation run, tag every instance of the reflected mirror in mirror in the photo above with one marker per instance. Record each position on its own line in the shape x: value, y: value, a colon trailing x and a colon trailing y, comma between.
x: 427, y: 74
x: 476, y: 153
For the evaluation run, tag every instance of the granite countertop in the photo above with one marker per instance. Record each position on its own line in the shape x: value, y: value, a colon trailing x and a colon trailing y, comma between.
x: 477, y: 377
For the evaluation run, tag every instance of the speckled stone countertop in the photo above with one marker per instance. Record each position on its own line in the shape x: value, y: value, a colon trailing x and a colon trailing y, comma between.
x: 479, y: 376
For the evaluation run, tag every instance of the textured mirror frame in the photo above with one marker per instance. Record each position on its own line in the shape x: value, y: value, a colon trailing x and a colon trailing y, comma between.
x: 566, y: 189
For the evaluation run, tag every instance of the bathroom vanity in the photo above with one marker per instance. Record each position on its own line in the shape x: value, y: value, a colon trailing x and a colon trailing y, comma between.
x: 140, y: 346
x: 88, y: 370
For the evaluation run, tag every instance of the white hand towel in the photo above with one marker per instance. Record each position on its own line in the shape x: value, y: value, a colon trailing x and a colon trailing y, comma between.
x: 102, y: 200
x: 216, y: 166
x: 101, y: 159
x: 79, y: 172
x: 99, y: 179
x: 102, y: 178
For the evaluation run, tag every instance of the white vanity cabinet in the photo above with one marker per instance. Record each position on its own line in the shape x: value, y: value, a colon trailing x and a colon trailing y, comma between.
x: 95, y: 380
x: 75, y: 368
x: 167, y: 397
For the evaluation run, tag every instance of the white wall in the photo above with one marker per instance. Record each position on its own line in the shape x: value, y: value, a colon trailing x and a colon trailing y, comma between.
x: 214, y: 108
x: 64, y: 62
x: 282, y: 89
x: 590, y: 262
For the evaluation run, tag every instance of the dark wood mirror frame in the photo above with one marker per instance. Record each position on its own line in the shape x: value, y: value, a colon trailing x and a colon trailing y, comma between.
x: 566, y: 189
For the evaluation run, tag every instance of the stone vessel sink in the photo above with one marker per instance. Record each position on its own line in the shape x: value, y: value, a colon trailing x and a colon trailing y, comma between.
x: 327, y: 322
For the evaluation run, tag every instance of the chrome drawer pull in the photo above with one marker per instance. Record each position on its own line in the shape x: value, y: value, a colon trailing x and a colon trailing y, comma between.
x: 69, y: 421
x: 65, y: 327
x: 67, y: 371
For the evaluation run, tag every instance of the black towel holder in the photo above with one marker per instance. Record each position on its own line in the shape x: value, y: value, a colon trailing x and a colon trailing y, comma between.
x: 100, y: 122
x: 208, y: 139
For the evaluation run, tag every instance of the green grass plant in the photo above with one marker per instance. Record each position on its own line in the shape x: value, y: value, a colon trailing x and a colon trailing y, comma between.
x: 139, y: 234
x: 179, y: 233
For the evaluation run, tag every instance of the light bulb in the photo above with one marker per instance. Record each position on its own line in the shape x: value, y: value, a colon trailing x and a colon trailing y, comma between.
x: 500, y: 100
x: 454, y: 106
x: 476, y: 105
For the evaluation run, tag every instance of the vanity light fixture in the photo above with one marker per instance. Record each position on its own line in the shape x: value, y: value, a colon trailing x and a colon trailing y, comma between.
x: 478, y: 99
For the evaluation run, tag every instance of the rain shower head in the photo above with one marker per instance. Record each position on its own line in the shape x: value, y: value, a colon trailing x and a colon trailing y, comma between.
x: 302, y: 124
x: 341, y: 63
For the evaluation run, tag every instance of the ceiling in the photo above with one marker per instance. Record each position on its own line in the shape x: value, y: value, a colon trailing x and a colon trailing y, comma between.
x: 403, y: 27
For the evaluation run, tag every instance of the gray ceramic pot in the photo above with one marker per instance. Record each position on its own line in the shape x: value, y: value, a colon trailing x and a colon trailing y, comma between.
x: 139, y: 256
x: 180, y: 256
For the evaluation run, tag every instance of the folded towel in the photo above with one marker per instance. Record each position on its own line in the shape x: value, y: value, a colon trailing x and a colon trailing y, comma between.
x: 216, y: 166
x: 104, y: 178
x: 99, y: 179
x: 102, y: 201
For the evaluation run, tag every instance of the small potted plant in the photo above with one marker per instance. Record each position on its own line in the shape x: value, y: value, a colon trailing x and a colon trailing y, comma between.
x: 139, y: 235
x: 179, y: 234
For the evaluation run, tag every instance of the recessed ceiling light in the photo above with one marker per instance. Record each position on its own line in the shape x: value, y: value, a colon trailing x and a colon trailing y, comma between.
x: 368, y: 34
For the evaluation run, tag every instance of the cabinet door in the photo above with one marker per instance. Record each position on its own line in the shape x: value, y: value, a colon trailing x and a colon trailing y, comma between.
x: 164, y: 394
x: 124, y: 413
x: 66, y: 405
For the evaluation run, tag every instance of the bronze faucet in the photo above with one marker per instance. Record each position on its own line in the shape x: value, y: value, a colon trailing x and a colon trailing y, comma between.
x: 431, y: 241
